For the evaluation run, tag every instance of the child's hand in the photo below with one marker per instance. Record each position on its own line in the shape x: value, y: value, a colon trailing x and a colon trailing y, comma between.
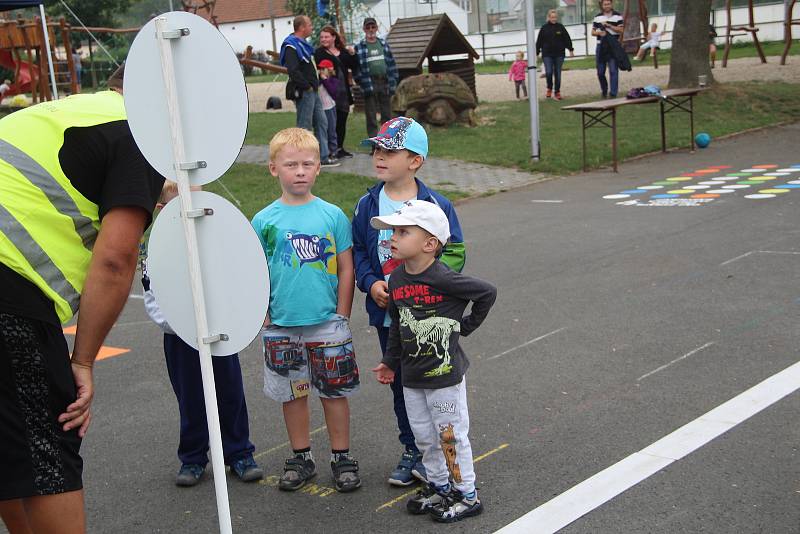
x: 384, y: 374
x: 380, y: 293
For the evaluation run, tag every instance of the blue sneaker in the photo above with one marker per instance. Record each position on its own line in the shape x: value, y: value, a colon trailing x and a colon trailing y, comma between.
x: 247, y: 469
x: 189, y: 475
x: 419, y: 470
x: 402, y: 474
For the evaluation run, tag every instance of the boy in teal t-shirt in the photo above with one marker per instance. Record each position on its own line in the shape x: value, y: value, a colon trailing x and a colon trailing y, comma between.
x: 307, y: 339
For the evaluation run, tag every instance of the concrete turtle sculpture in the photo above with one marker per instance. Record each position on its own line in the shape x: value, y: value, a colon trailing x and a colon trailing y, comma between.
x: 439, y: 99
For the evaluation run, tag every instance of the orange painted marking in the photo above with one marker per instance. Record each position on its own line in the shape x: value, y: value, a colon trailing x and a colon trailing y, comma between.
x: 705, y: 195
x: 104, y: 352
x: 706, y: 171
x: 764, y: 166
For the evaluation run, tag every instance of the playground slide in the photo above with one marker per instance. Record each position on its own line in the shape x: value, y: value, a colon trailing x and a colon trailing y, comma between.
x: 22, y: 83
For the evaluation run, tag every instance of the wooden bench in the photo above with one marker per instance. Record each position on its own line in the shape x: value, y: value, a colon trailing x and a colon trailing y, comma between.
x: 599, y: 112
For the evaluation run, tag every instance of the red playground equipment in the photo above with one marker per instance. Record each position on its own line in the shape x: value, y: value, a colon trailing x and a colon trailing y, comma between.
x: 23, y: 51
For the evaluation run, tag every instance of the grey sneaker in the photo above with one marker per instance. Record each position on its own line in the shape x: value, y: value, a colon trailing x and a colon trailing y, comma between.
x: 247, y: 469
x: 189, y: 475
x: 296, y: 472
x: 457, y: 507
x: 330, y: 162
x: 426, y: 499
x: 345, y: 474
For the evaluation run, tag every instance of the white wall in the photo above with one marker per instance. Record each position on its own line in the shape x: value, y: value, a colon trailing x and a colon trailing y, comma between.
x: 401, y: 9
x: 769, y: 20
x: 257, y: 33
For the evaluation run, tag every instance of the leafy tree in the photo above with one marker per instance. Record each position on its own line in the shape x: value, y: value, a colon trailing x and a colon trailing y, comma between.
x: 92, y: 12
x: 690, y: 44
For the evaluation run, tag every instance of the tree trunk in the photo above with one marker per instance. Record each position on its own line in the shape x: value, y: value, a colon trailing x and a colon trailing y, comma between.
x: 690, y: 44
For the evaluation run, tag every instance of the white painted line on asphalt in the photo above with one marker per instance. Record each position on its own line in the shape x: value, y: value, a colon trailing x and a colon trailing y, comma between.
x: 548, y: 201
x: 737, y: 258
x: 534, y: 340
x: 786, y: 252
x: 607, y: 484
x: 690, y: 353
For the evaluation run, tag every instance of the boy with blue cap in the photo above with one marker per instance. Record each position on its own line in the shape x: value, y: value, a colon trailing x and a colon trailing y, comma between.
x: 399, y: 151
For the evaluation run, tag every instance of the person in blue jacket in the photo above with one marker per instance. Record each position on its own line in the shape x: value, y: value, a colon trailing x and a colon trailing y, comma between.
x: 399, y: 151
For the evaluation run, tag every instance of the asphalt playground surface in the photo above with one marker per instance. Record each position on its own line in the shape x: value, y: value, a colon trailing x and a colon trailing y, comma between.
x: 615, y: 325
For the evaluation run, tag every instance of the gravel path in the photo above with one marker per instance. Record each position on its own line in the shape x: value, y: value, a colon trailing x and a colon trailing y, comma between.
x: 497, y: 88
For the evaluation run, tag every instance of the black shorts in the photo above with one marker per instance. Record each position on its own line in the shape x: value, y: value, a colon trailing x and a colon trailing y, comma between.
x: 36, y: 386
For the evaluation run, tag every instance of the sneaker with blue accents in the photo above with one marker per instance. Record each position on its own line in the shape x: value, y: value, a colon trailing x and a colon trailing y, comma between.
x: 189, y: 475
x: 419, y: 470
x: 402, y: 474
x: 247, y: 470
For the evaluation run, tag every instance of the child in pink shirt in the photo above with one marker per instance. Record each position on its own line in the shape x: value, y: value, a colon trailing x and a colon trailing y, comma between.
x: 517, y: 74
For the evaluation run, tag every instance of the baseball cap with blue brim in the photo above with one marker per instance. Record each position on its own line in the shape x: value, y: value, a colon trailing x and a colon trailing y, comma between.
x: 401, y: 133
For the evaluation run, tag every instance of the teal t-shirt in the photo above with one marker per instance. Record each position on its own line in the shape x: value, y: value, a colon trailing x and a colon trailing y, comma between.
x: 301, y: 244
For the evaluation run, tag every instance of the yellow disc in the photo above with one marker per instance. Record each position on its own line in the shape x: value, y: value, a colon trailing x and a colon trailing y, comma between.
x: 681, y: 191
x: 679, y: 179
x: 761, y: 178
x: 774, y: 191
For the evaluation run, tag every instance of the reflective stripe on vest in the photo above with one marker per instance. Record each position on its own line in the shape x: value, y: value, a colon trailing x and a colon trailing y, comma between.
x: 47, y: 227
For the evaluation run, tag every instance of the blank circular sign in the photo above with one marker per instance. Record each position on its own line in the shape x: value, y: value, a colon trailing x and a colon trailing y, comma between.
x: 235, y: 274
x: 211, y: 93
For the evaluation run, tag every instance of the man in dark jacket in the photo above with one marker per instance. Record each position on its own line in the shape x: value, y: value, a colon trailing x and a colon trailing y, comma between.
x: 298, y: 58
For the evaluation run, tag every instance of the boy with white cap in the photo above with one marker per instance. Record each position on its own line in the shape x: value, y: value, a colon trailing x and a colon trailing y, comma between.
x: 426, y: 303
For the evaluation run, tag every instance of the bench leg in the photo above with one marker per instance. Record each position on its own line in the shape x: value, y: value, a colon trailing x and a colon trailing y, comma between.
x: 691, y: 122
x: 663, y: 127
x: 614, y: 137
x: 583, y: 133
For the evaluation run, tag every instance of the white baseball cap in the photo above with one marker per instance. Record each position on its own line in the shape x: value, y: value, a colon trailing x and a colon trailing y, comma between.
x: 422, y: 213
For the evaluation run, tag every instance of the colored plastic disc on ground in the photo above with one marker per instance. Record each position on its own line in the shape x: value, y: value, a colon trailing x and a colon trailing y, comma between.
x: 789, y: 186
x: 720, y: 191
x: 615, y: 197
x: 759, y: 196
x: 743, y: 173
x: 794, y: 182
x: 762, y: 178
x: 735, y: 186
x: 680, y: 191
x: 774, y: 191
x: 713, y: 182
x: 679, y: 179
x: 750, y: 182
x: 633, y: 192
x: 765, y: 166
x: 726, y: 178
x: 776, y: 174
x: 649, y: 187
x: 704, y: 195
x: 789, y: 169
x: 665, y: 195
x: 753, y: 170
x: 663, y: 182
x: 706, y: 171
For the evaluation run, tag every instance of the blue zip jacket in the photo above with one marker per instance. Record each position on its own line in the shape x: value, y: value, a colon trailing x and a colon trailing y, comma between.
x: 365, y: 243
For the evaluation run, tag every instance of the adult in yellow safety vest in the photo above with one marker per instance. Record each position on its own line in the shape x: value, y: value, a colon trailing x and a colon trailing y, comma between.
x: 76, y: 194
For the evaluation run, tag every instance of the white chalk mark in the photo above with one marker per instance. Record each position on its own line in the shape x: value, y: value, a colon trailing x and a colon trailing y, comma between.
x: 690, y: 353
x: 534, y: 340
x: 784, y: 252
x: 593, y: 492
x: 737, y: 258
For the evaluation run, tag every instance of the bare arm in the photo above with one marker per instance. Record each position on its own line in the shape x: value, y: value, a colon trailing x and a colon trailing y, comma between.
x: 347, y: 282
x: 105, y: 292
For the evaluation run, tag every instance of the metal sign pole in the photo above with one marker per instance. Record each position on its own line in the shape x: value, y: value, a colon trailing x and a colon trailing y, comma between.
x: 164, y: 37
x: 533, y: 97
x: 49, y: 56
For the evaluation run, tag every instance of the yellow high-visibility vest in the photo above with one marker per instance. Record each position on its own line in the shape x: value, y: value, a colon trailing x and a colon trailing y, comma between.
x: 47, y: 227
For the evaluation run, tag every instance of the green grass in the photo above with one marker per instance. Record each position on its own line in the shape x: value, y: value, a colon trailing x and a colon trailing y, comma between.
x: 502, y: 137
x: 739, y: 50
x: 260, y: 78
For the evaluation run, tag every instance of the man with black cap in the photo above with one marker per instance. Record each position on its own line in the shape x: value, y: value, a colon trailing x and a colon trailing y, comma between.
x: 377, y: 75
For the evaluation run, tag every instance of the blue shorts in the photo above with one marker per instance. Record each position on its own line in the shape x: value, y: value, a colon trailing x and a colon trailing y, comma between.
x: 298, y: 358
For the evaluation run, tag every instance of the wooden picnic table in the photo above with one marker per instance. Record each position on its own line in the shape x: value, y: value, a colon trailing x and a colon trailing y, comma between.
x: 598, y: 113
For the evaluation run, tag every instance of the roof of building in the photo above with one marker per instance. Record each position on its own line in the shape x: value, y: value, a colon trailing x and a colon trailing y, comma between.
x: 413, y: 39
x: 227, y: 11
